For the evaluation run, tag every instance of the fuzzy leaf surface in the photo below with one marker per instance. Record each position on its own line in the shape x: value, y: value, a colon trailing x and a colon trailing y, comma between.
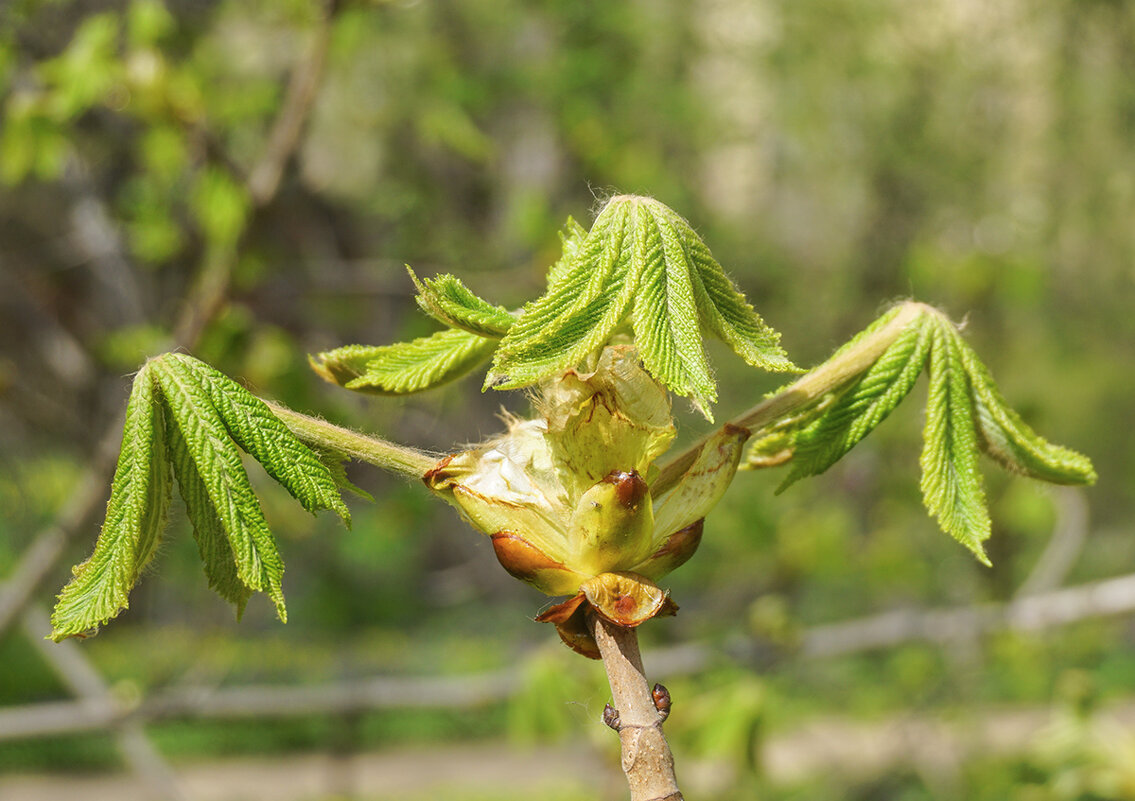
x: 951, y: 483
x: 644, y: 265
x: 218, y: 463
x: 135, y: 517
x: 213, y: 546
x: 724, y: 311
x: 862, y: 406
x: 965, y: 415
x: 667, y: 323
x: 571, y: 237
x: 580, y: 310
x: 449, y: 301
x: 266, y: 439
x: 186, y: 420
x: 406, y: 366
x: 1009, y: 441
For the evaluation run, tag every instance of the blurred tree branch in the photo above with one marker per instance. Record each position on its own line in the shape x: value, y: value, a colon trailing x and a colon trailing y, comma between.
x: 1025, y: 613
x: 1064, y: 546
x: 1115, y: 596
x: 264, y: 179
x: 84, y: 681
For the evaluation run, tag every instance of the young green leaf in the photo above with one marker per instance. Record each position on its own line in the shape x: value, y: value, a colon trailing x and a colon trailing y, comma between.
x: 1005, y: 437
x: 579, y: 311
x: 135, y: 518
x: 266, y: 439
x: 218, y: 463
x: 186, y: 414
x: 344, y: 364
x: 449, y: 301
x: 216, y: 553
x: 775, y: 443
x: 571, y: 237
x: 407, y: 366
x: 724, y: 310
x: 965, y: 412
x: 666, y: 322
x: 951, y: 483
x: 862, y: 406
x: 643, y: 263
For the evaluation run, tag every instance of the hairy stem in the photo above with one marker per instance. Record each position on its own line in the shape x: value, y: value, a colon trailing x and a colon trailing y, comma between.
x: 647, y: 760
x: 410, y: 462
x: 812, y: 386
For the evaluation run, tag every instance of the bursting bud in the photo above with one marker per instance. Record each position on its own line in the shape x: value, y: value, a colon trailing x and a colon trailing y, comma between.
x: 566, y: 498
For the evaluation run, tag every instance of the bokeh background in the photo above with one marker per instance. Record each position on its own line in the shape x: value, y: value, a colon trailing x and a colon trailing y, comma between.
x: 248, y: 178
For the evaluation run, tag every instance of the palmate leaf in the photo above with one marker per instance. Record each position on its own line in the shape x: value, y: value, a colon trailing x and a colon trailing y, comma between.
x: 407, y: 366
x: 183, y: 413
x: 135, y: 518
x: 965, y: 415
x: 218, y: 463
x: 475, y: 326
x: 777, y: 444
x: 449, y: 301
x: 724, y: 310
x: 641, y: 263
x: 641, y: 269
x: 260, y: 433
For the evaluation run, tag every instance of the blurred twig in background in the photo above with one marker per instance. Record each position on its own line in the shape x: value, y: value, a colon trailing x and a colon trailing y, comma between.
x: 886, y: 630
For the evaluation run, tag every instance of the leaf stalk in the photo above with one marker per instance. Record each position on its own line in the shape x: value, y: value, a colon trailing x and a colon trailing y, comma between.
x: 379, y: 452
x: 807, y: 390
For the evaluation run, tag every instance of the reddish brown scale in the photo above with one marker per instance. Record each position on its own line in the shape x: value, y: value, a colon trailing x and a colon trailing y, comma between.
x: 630, y: 489
x: 561, y: 612
x: 676, y: 550
x: 661, y: 697
x: 729, y: 428
x: 682, y: 542
x: 570, y: 619
x: 432, y: 476
x: 520, y: 558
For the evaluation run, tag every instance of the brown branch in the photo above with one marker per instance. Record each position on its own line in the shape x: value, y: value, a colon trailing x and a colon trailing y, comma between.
x: 637, y: 716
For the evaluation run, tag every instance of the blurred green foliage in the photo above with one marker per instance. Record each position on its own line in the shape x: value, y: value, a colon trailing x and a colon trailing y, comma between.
x: 834, y: 154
